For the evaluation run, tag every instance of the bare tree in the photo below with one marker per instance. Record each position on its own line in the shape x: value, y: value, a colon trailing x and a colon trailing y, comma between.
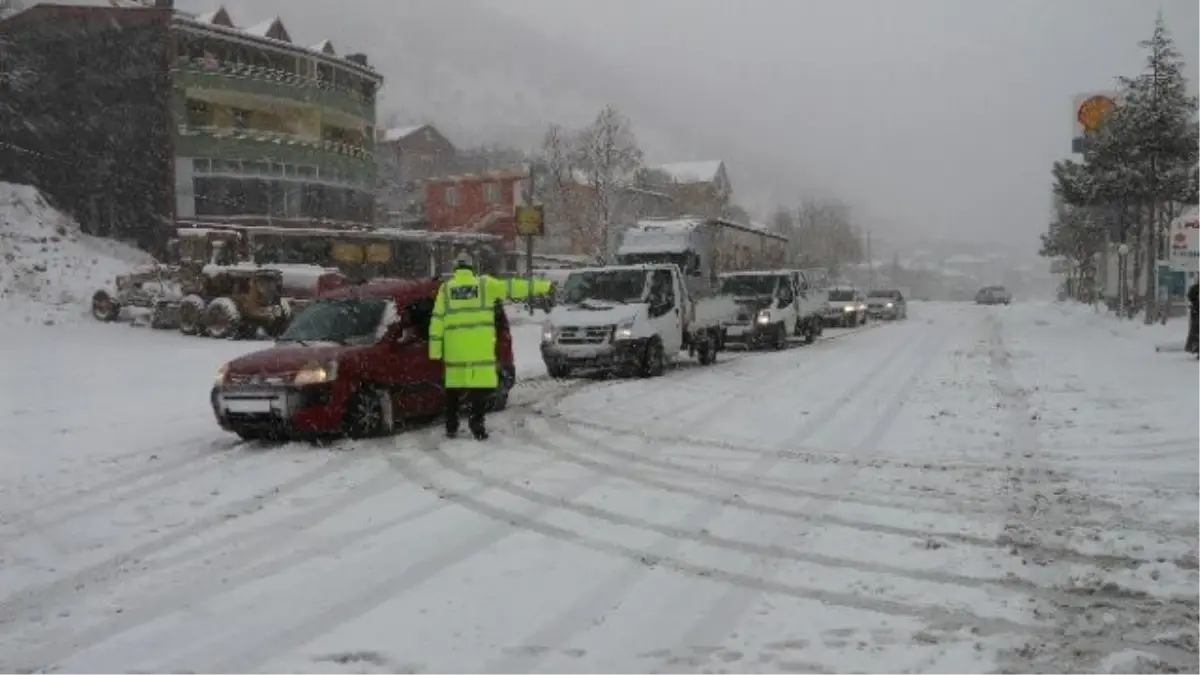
x: 824, y: 235
x: 609, y: 157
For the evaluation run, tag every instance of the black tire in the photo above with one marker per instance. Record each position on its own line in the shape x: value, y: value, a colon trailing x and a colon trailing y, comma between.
x: 104, y: 307
x: 654, y: 361
x: 499, y: 400
x: 191, y: 315
x: 364, y: 416
x: 811, y: 332
x: 558, y: 371
x: 779, y: 341
x: 220, y: 323
x: 706, y: 353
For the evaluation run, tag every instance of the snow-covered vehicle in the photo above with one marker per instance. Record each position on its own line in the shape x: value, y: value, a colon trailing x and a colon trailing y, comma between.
x: 993, y: 295
x: 846, y: 307
x: 631, y: 318
x: 232, y: 301
x: 145, y: 287
x: 354, y: 362
x: 887, y: 303
x: 772, y: 306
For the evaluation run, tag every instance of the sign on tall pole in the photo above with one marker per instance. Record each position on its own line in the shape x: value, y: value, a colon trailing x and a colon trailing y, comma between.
x: 1089, y: 112
x: 531, y: 223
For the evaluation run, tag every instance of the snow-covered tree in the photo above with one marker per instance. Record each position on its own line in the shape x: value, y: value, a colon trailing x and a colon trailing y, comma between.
x: 821, y: 234
x: 1076, y: 234
x: 609, y: 157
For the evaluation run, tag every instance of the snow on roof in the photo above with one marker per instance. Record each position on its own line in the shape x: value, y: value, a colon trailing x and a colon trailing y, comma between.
x: 271, y: 28
x: 692, y: 172
x: 325, y: 47
x: 217, y: 16
x: 401, y: 133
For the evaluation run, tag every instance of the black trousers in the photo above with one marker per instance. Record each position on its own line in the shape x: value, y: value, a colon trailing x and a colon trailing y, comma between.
x: 1193, y: 337
x: 476, y: 400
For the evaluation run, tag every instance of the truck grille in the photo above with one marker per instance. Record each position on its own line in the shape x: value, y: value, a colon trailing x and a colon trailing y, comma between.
x: 584, y: 335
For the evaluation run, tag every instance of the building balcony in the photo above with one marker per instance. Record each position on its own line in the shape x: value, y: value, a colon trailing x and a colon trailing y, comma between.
x: 255, y: 80
x: 350, y: 164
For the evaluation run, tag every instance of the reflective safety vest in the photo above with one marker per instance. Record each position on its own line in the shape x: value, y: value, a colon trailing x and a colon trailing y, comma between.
x: 462, y: 332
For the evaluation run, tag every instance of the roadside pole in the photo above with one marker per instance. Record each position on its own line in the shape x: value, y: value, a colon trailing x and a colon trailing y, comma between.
x: 530, y: 224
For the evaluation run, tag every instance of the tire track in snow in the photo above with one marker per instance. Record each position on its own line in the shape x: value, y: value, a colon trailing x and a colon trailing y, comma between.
x: 212, y: 580
x: 125, y: 485
x: 32, y: 599
x: 477, y: 541
x: 590, y: 609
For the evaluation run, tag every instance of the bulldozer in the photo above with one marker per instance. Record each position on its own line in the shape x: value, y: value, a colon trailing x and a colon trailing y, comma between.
x: 145, y: 287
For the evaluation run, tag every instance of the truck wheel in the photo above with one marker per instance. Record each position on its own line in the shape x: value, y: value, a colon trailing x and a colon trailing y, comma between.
x: 779, y: 341
x: 364, y: 416
x: 654, y: 361
x: 706, y: 352
x: 222, y: 319
x: 811, y: 332
x: 191, y: 314
x: 558, y: 371
x: 104, y: 307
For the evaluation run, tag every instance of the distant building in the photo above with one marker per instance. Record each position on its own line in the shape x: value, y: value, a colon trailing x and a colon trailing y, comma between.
x: 146, y: 116
x: 476, y: 203
x: 406, y: 156
x: 700, y: 188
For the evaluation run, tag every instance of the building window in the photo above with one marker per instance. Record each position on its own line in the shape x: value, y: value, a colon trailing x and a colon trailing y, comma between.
x: 450, y: 195
x: 241, y: 118
x: 199, y: 114
x: 491, y: 193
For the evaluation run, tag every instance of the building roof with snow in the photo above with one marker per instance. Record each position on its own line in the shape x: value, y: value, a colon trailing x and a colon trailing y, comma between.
x: 692, y: 172
x: 273, y: 33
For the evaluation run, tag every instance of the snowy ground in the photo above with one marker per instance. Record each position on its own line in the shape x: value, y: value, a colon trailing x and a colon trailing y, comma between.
x: 975, y: 489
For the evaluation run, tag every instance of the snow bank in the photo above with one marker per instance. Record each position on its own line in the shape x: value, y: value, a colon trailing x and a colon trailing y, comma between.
x: 1106, y: 323
x: 50, y: 269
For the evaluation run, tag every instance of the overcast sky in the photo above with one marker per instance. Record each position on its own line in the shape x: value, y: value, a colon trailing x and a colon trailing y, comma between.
x: 931, y: 117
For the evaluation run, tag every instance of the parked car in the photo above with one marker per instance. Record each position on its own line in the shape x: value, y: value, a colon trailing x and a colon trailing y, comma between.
x: 354, y: 362
x: 887, y: 303
x: 846, y: 307
x: 993, y: 295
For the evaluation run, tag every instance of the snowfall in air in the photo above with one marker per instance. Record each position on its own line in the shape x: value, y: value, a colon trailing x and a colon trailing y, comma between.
x: 971, y: 489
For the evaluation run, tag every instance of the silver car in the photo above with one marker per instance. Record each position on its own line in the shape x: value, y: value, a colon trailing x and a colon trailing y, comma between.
x: 846, y: 308
x: 993, y: 295
x: 887, y: 303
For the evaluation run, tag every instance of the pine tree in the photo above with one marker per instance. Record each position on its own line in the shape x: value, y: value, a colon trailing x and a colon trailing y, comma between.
x: 1161, y: 119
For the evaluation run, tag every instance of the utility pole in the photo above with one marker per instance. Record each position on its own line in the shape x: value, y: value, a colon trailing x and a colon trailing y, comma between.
x: 529, y: 240
x: 870, y: 264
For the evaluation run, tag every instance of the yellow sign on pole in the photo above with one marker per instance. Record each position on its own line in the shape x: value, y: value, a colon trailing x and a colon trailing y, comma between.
x: 531, y: 221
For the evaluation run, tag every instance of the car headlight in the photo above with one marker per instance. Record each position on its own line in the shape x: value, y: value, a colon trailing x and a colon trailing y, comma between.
x: 547, y: 333
x: 890, y: 305
x: 764, y: 317
x: 316, y: 373
x: 624, y: 330
x: 221, y: 373
x: 848, y: 308
x: 861, y: 307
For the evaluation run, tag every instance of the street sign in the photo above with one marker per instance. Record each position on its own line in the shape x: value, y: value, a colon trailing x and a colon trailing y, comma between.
x: 1089, y: 110
x: 1184, y: 239
x: 531, y: 221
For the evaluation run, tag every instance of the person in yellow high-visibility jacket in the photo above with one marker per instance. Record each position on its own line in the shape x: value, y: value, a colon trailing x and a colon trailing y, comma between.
x: 462, y: 335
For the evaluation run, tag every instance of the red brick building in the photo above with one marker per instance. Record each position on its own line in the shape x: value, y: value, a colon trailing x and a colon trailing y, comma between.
x: 483, y: 203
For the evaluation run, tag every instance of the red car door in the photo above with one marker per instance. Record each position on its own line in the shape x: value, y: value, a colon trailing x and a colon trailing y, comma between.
x: 415, y: 379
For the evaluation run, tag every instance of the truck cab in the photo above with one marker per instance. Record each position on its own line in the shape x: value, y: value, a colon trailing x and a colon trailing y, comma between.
x: 772, y: 305
x: 624, y: 318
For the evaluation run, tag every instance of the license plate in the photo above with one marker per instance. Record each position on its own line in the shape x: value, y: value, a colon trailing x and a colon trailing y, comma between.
x: 248, y: 405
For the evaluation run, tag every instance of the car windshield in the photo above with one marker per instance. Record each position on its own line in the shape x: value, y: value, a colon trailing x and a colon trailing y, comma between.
x: 612, y: 285
x: 882, y: 294
x: 841, y: 295
x: 342, y: 321
x: 745, y: 284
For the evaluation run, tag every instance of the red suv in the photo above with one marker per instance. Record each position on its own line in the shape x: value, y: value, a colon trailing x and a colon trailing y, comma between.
x: 353, y: 362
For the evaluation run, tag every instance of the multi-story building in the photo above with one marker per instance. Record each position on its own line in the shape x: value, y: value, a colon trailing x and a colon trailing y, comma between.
x: 406, y: 156
x: 143, y: 117
x: 700, y: 188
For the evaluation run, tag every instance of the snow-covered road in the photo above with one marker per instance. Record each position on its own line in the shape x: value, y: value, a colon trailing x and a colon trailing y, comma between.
x: 973, y: 489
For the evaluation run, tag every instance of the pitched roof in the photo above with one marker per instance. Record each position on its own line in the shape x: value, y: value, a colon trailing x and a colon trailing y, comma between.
x: 219, y: 17
x: 692, y: 172
x: 271, y: 28
x: 325, y: 47
x: 401, y: 133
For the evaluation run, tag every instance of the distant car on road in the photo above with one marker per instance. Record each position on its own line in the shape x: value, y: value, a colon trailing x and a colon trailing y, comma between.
x: 846, y: 307
x: 993, y: 295
x: 887, y: 303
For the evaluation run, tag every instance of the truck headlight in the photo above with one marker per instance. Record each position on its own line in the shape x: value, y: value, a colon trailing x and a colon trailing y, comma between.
x: 764, y: 317
x: 221, y: 373
x: 890, y: 305
x: 547, y: 333
x: 848, y: 308
x: 624, y: 330
x: 316, y: 373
